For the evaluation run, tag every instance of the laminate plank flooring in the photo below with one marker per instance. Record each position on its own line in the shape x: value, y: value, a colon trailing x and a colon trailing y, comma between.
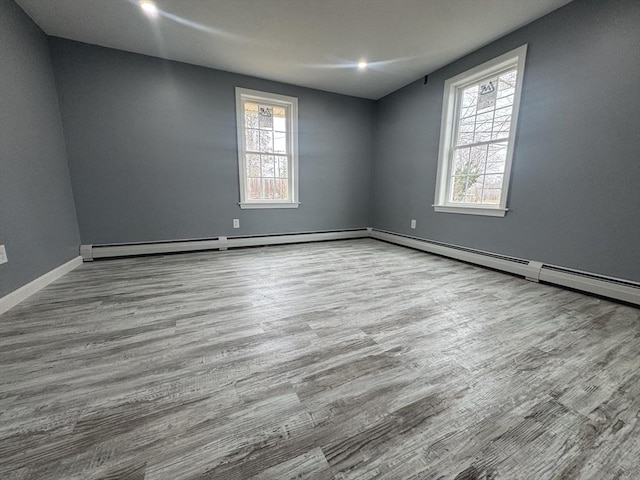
x: 338, y: 360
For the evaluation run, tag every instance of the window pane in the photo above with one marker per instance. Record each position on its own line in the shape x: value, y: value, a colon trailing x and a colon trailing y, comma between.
x: 251, y: 120
x: 469, y: 101
x: 507, y: 84
x: 280, y: 124
x: 491, y: 196
x: 268, y: 166
x: 502, y: 123
x: 492, y: 189
x: 253, y: 165
x: 280, y: 142
x: 477, y: 160
x: 473, y: 194
x: 252, y: 139
x: 484, y: 123
x: 281, y: 189
x: 280, y: 119
x: 504, y: 101
x: 268, y: 188
x: 283, y: 171
x: 251, y: 115
x: 253, y: 188
x: 496, y: 157
x: 266, y: 117
x: 266, y: 141
x: 458, y: 188
x: 465, y: 131
x: 460, y: 160
x: 493, y: 181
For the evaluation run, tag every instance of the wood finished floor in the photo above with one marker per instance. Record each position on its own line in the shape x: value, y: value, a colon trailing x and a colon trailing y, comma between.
x: 341, y: 360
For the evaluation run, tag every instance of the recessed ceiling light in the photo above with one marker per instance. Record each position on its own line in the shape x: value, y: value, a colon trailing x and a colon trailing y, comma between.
x: 149, y: 7
x: 362, y: 65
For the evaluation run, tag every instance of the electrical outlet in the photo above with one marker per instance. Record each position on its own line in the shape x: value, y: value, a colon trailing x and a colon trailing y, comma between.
x: 413, y: 223
x: 3, y: 255
x: 236, y: 223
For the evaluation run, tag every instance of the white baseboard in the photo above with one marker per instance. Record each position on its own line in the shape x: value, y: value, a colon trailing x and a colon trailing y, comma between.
x: 12, y: 299
x: 295, y: 238
x: 91, y: 252
x: 532, y: 270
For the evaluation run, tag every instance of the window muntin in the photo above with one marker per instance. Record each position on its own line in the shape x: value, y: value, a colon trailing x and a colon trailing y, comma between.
x: 476, y: 145
x: 267, y: 150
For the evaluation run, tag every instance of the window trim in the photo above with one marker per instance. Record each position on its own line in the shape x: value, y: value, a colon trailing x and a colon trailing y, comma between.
x: 243, y: 95
x: 515, y: 58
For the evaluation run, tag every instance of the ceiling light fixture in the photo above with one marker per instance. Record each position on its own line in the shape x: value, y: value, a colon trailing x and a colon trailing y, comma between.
x: 362, y: 65
x: 149, y: 8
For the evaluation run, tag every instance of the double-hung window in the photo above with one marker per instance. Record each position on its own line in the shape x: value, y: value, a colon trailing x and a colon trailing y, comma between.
x: 267, y: 149
x: 479, y: 118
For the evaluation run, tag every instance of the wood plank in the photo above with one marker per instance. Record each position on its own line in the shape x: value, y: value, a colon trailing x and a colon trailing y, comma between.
x: 337, y: 360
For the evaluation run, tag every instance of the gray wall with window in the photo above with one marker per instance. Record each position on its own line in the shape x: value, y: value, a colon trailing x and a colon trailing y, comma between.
x: 574, y: 198
x: 37, y: 216
x: 152, y: 150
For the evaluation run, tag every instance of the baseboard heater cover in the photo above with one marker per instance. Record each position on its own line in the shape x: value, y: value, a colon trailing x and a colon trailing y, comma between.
x: 618, y: 289
x: 600, y: 285
x: 92, y: 252
x: 532, y: 270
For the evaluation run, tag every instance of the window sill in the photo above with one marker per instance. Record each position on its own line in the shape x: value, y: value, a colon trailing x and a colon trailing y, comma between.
x: 467, y: 210
x: 269, y: 205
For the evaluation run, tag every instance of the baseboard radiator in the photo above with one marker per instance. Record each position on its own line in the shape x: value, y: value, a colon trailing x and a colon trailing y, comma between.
x: 535, y: 271
x: 94, y: 252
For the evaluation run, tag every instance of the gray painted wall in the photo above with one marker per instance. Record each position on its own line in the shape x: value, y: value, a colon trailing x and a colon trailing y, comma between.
x: 151, y: 146
x: 153, y: 156
x: 575, y: 186
x: 37, y: 216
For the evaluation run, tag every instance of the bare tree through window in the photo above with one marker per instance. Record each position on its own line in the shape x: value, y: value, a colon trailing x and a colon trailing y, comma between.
x: 267, y: 149
x: 266, y: 152
x: 479, y: 117
x: 479, y: 152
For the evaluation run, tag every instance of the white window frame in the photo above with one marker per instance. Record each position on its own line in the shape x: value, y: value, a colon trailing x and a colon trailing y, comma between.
x: 291, y: 103
x: 514, y: 58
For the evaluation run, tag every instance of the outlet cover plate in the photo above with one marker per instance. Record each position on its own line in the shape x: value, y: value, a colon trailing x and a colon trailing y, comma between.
x: 3, y: 255
x: 236, y: 223
x: 413, y: 223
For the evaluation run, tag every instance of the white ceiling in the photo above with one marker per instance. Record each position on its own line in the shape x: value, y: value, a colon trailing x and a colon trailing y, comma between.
x: 313, y: 43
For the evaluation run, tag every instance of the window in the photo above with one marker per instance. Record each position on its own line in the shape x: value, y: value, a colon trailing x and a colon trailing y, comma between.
x: 479, y: 117
x: 267, y: 149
